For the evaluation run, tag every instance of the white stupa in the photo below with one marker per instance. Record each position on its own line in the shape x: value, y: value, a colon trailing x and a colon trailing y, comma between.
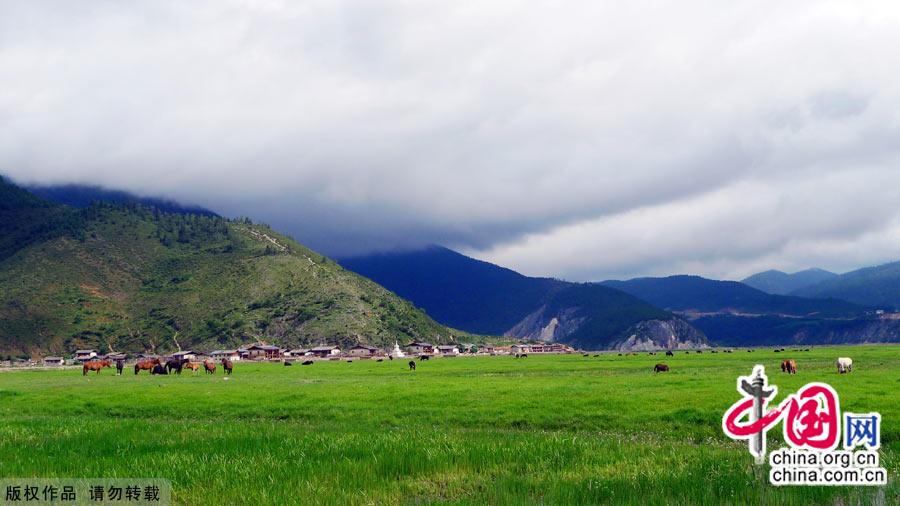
x: 397, y: 352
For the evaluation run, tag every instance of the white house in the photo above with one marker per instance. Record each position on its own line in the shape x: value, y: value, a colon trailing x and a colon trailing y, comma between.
x: 520, y: 348
x: 229, y: 354
x: 448, y: 350
x: 85, y: 355
x: 362, y: 350
x: 420, y: 347
x: 326, y: 351
x: 185, y: 355
x: 54, y: 361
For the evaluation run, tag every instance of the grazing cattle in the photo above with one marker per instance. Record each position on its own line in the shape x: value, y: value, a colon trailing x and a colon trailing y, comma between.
x: 159, y: 369
x: 424, y: 357
x: 660, y: 368
x: 95, y: 365
x: 120, y: 364
x: 287, y: 363
x: 145, y: 365
x: 619, y: 355
x: 209, y: 366
x: 777, y: 351
x: 193, y: 366
x: 844, y: 365
x: 175, y: 364
x: 307, y: 362
x: 588, y: 355
x: 380, y: 360
x: 714, y: 351
x: 669, y: 353
x: 412, y: 365
x: 227, y: 366
x: 789, y: 366
x: 699, y: 351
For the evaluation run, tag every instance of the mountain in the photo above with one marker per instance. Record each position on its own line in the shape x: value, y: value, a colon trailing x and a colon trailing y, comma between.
x: 480, y: 297
x: 82, y: 196
x: 129, y: 276
x: 872, y: 286
x: 701, y: 295
x: 782, y: 283
x: 733, y: 314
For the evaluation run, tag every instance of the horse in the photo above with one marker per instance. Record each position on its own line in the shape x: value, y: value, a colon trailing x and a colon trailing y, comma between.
x: 194, y: 366
x: 209, y: 366
x: 669, y: 353
x: 844, y: 365
x: 175, y: 364
x: 145, y: 365
x: 120, y: 364
x: 660, y: 368
x: 227, y: 366
x: 159, y: 369
x: 412, y: 365
x: 95, y: 365
x: 789, y: 366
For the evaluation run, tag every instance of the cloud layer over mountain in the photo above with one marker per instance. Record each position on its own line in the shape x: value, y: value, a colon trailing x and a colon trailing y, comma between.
x: 583, y: 140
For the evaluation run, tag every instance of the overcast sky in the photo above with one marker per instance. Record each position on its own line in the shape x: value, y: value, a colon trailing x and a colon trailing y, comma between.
x: 582, y: 140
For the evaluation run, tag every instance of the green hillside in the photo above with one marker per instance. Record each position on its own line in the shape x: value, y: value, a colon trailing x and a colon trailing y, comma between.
x: 129, y: 277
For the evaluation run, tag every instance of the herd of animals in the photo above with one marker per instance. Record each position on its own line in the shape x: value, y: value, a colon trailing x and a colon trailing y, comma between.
x: 156, y: 366
x: 175, y: 365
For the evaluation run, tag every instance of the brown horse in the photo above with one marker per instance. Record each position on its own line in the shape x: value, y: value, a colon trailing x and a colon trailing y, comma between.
x: 95, y: 365
x: 194, y: 366
x: 660, y: 368
x: 227, y: 366
x: 209, y: 366
x: 789, y: 366
x: 145, y: 365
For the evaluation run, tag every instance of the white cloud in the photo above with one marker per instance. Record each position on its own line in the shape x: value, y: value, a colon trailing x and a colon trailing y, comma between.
x: 500, y: 127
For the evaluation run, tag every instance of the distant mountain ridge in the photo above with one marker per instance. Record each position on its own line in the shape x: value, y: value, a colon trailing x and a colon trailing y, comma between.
x: 877, y: 286
x: 781, y: 283
x: 698, y: 294
x: 480, y: 297
x: 733, y: 314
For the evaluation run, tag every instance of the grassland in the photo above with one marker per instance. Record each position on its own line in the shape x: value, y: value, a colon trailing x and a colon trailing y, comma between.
x: 487, y: 430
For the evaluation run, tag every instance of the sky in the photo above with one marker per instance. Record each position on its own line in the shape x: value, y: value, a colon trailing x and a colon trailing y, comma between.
x: 584, y: 140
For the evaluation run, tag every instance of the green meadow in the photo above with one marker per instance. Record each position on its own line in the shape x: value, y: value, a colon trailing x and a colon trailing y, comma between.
x: 557, y: 429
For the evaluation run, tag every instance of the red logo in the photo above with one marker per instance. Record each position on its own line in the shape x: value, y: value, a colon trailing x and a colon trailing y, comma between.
x: 811, y: 416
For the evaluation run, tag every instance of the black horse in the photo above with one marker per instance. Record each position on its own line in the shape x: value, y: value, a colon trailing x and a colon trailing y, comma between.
x: 120, y: 364
x: 175, y: 364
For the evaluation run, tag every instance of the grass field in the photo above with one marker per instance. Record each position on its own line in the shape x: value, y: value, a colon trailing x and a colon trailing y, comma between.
x: 486, y: 430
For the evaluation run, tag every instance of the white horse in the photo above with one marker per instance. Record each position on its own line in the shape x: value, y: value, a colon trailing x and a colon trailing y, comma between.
x: 844, y: 364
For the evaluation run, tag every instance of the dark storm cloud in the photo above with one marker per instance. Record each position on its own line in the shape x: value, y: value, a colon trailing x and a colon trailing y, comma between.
x: 582, y: 140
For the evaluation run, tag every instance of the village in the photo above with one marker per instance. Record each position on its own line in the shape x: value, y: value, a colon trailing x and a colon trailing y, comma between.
x: 271, y: 353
